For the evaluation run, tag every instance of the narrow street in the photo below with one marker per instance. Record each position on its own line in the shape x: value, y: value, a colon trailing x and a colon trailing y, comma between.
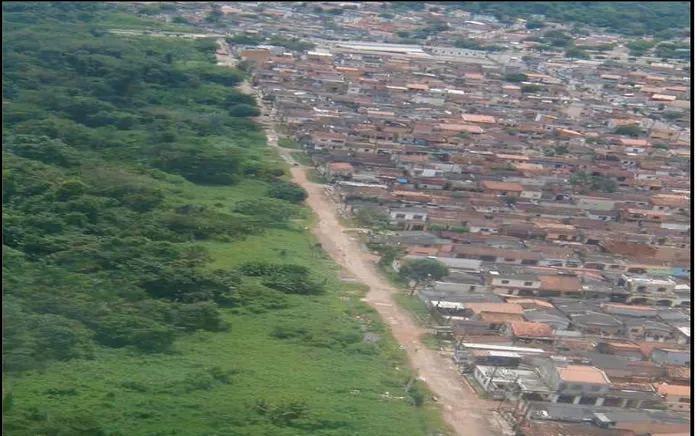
x: 464, y: 411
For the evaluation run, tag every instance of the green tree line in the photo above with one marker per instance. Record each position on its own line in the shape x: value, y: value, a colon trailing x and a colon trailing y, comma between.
x: 98, y: 132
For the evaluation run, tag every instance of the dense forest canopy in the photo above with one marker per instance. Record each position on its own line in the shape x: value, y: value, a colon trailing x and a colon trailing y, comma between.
x: 96, y: 131
x: 628, y: 18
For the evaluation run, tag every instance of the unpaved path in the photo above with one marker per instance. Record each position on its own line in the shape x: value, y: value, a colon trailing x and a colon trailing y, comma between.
x: 464, y: 411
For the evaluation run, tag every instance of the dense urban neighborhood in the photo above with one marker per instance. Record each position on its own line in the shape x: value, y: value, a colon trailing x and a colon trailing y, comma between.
x: 554, y: 186
x: 522, y: 181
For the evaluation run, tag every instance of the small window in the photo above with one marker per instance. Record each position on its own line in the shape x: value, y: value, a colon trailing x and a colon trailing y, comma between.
x: 400, y: 215
x: 508, y: 259
x: 684, y: 400
x: 595, y: 388
x: 661, y: 290
x: 527, y: 283
x: 505, y: 282
x: 418, y: 217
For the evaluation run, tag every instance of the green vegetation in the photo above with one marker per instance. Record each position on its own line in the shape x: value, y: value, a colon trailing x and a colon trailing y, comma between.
x: 646, y: 17
x: 157, y: 277
x: 294, y: 44
x: 588, y: 182
x: 314, y: 176
x: 474, y: 44
x: 534, y: 24
x: 672, y: 116
x: 415, y: 306
x: 632, y: 130
x: 244, y: 39
x: 639, y: 47
x: 576, y: 53
x: 372, y: 218
x: 517, y: 77
x: 289, y: 143
x: 673, y: 51
x: 422, y: 271
x: 530, y: 89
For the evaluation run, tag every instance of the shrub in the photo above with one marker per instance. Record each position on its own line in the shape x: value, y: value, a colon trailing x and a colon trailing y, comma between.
x: 288, y: 191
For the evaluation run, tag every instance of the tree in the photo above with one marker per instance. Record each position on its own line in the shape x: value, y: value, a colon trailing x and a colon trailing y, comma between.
x: 214, y: 15
x: 244, y: 111
x: 576, y: 53
x: 372, y: 218
x: 632, y: 130
x: 288, y: 191
x: 534, y: 24
x: 639, y: 47
x: 530, y: 89
x: 421, y: 271
x: 517, y: 77
x: 276, y: 210
x: 672, y: 116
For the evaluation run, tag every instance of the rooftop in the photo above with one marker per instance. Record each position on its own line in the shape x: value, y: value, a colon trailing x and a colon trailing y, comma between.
x: 582, y: 374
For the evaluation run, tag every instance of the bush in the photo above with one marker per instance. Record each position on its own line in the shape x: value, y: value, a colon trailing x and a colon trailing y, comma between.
x: 288, y: 191
x: 293, y: 284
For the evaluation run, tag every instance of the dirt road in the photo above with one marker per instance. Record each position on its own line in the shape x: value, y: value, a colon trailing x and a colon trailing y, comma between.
x: 464, y: 411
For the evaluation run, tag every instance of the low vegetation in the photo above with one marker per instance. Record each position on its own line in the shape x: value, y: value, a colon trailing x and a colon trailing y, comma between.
x: 157, y: 276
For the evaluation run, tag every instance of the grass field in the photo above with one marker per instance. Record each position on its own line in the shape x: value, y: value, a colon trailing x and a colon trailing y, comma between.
x: 216, y: 383
x: 289, y: 143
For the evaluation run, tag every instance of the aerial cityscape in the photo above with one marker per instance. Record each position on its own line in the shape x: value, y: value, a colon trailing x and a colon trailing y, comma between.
x: 347, y: 218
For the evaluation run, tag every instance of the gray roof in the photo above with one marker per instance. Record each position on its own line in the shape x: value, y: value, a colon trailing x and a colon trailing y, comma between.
x: 569, y: 306
x: 539, y: 315
x: 469, y: 298
x: 595, y: 319
x: 673, y: 315
x: 452, y: 262
x: 579, y: 413
x: 410, y: 210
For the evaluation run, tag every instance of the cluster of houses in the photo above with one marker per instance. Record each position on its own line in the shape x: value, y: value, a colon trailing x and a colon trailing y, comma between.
x: 557, y: 191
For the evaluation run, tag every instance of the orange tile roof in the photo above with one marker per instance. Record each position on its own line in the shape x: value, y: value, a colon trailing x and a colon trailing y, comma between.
x: 340, y: 166
x: 560, y: 283
x: 500, y: 317
x: 673, y: 390
x: 460, y: 128
x: 634, y: 142
x: 582, y: 374
x: 485, y: 119
x: 502, y: 186
x: 494, y: 308
x: 531, y: 329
